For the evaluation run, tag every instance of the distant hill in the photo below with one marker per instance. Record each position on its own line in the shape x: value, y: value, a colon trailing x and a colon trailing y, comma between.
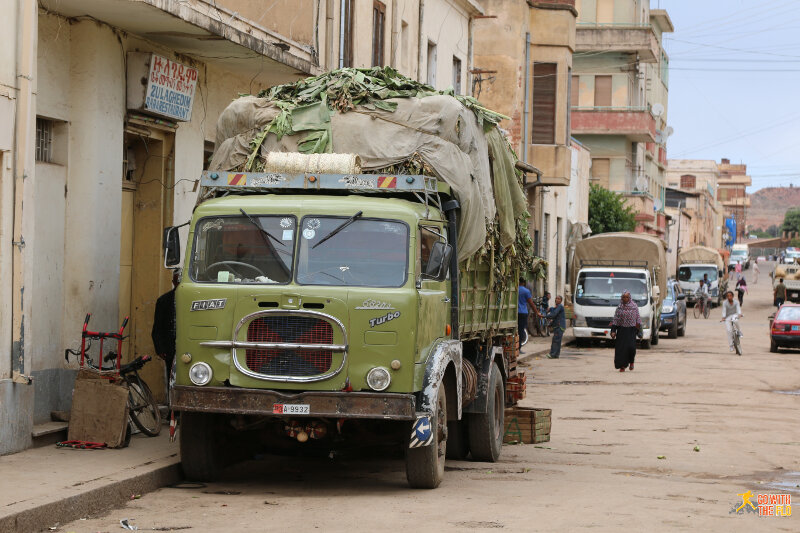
x: 768, y: 205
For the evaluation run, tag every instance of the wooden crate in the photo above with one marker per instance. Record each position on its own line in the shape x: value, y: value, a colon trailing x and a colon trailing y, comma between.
x: 511, y: 354
x: 528, y: 425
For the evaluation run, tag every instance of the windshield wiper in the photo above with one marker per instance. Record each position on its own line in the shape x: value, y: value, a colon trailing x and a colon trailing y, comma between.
x: 257, y: 224
x: 340, y: 228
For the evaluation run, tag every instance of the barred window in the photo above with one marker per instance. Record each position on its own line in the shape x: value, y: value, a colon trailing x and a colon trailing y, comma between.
x: 44, y: 140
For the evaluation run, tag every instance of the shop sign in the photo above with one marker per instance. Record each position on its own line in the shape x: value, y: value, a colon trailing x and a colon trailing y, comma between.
x: 170, y: 88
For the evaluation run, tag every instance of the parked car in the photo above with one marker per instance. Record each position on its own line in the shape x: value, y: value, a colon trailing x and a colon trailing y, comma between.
x: 784, y: 331
x: 673, y: 311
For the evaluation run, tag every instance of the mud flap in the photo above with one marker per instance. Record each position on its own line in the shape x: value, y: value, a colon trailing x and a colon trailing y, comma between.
x: 421, y: 432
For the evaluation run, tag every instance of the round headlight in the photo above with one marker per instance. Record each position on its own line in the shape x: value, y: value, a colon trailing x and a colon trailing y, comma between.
x: 378, y: 379
x: 667, y: 308
x: 200, y: 373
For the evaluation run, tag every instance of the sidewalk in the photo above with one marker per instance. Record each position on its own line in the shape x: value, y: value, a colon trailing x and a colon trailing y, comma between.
x: 43, y: 487
x: 537, y: 347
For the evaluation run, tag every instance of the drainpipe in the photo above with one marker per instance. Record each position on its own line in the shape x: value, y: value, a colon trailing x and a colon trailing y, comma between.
x: 422, y: 49
x: 470, y: 52
x: 26, y: 58
x: 526, y: 97
x: 395, y: 36
x: 328, y: 34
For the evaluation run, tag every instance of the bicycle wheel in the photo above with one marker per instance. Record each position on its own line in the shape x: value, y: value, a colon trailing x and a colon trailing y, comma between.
x: 706, y: 310
x: 696, y: 310
x: 737, y: 345
x: 143, y: 407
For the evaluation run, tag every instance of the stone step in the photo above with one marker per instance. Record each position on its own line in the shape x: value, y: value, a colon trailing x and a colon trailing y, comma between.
x: 49, y: 433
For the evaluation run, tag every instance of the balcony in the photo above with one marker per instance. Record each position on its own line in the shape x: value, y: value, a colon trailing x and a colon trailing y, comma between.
x: 555, y: 162
x: 635, y: 123
x: 637, y: 39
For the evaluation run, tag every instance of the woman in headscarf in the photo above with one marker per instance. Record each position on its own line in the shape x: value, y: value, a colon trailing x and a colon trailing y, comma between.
x: 624, y: 328
x: 741, y: 289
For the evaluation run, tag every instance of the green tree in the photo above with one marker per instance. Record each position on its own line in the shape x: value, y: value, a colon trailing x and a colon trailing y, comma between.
x: 791, y: 220
x: 608, y: 212
x: 773, y: 231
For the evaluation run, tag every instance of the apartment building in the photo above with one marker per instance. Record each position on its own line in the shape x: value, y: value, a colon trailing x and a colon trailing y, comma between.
x: 732, y: 194
x: 619, y: 97
x: 108, y: 114
x: 700, y: 176
x: 522, y: 67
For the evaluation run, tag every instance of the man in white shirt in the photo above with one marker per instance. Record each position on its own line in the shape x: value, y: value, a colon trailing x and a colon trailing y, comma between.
x: 730, y: 310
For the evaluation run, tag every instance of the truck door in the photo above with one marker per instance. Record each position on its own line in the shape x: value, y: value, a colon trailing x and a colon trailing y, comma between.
x: 434, y: 301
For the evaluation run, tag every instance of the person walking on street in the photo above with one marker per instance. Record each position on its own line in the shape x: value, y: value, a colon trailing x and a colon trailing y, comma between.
x: 730, y: 309
x: 625, y: 328
x: 525, y: 299
x: 756, y: 271
x: 780, y: 293
x: 558, y: 318
x: 741, y: 289
x: 738, y: 267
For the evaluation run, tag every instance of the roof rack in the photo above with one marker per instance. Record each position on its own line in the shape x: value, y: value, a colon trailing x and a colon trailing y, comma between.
x: 272, y: 181
x: 696, y: 262
x: 613, y: 263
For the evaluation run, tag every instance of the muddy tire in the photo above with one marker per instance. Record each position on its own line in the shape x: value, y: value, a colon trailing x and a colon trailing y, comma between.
x: 200, y: 446
x: 425, y: 465
x: 486, y: 429
x: 458, y: 439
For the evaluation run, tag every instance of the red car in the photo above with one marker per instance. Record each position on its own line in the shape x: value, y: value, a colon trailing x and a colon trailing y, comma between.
x: 785, y: 328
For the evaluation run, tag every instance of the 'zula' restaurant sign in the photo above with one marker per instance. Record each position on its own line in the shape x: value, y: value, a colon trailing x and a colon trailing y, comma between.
x: 170, y: 88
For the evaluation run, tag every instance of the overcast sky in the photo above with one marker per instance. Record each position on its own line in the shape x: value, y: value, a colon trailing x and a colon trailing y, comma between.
x: 734, y: 87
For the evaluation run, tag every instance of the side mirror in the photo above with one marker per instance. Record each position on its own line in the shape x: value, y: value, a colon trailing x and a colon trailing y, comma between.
x: 436, y: 269
x: 681, y: 296
x: 172, y: 247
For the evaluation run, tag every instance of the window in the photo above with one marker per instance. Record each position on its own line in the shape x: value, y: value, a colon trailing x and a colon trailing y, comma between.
x: 545, y: 81
x: 602, y: 91
x: 44, y: 140
x: 456, y: 75
x: 431, y: 64
x: 428, y: 235
x: 688, y: 181
x: 575, y: 91
x: 208, y: 152
x: 346, y: 34
x: 601, y: 171
x: 378, y: 32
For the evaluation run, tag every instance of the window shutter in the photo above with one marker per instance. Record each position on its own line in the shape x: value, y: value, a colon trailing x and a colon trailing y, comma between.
x: 545, y: 82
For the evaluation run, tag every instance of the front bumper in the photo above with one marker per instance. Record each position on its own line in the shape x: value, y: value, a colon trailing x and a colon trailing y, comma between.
x: 667, y: 321
x: 322, y: 404
x: 601, y: 333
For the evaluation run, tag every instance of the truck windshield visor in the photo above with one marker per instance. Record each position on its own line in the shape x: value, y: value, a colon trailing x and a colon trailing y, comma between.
x: 695, y: 273
x: 606, y: 288
x: 232, y: 249
x: 365, y: 253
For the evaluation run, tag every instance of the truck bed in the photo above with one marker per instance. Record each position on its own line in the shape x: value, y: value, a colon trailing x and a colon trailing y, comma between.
x: 484, y: 312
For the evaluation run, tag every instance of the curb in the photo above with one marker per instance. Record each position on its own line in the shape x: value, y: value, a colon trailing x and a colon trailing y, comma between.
x: 100, y: 499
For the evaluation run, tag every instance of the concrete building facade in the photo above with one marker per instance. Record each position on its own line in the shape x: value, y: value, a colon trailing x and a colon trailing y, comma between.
x: 732, y: 194
x: 95, y: 161
x: 522, y: 67
x: 619, y: 98
x: 702, y: 177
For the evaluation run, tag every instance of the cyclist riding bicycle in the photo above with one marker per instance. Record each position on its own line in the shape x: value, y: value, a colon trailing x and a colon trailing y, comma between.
x: 702, y: 294
x: 730, y: 311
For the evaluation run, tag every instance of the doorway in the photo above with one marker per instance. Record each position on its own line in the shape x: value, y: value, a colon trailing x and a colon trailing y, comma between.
x: 147, y: 207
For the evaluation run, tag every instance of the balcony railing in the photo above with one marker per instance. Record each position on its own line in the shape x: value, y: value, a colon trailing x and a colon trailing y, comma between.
x: 636, y: 122
x: 634, y: 38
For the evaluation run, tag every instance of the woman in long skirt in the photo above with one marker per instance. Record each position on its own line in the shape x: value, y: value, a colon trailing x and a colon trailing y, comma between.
x: 624, y: 329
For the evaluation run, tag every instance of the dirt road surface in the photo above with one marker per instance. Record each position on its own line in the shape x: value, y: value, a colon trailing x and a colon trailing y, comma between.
x: 601, y: 471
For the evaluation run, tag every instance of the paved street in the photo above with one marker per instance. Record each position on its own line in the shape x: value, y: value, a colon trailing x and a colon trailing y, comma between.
x: 600, y: 471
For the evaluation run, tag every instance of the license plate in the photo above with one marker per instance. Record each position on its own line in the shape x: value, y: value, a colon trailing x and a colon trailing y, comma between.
x: 291, y: 409
x: 795, y: 328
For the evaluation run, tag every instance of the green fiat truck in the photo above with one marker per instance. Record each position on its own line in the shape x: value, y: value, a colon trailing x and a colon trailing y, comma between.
x: 319, y: 310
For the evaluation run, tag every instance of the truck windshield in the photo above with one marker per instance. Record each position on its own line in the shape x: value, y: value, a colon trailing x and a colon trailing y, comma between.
x: 695, y: 273
x: 232, y: 249
x: 738, y: 253
x: 606, y: 288
x: 365, y: 253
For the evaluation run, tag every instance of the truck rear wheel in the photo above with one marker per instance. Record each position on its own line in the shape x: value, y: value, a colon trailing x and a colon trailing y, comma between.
x: 200, y: 446
x: 425, y: 465
x: 486, y: 429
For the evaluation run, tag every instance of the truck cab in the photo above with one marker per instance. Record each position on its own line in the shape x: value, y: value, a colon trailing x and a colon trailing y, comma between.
x: 689, y: 276
x: 740, y: 253
x: 597, y: 294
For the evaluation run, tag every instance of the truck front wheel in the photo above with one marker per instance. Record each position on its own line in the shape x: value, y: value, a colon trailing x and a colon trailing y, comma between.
x: 486, y: 429
x: 200, y: 446
x: 654, y: 329
x: 425, y: 465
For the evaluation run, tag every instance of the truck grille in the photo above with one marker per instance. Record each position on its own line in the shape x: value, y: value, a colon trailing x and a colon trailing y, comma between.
x: 289, y: 329
x: 598, y: 322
